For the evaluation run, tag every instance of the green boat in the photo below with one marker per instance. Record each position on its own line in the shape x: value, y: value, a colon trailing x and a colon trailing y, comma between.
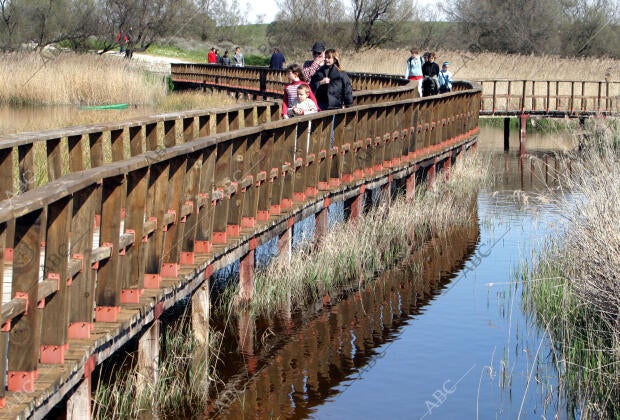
x: 112, y: 106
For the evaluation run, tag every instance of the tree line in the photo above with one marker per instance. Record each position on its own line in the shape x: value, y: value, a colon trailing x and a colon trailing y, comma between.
x: 565, y: 27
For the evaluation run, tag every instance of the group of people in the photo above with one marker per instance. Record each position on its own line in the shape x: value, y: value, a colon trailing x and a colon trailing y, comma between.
x: 237, y: 60
x: 320, y: 84
x: 432, y: 79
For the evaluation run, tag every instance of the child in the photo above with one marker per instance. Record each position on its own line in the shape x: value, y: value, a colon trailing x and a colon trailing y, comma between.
x: 305, y: 105
x: 294, y: 74
x: 445, y: 78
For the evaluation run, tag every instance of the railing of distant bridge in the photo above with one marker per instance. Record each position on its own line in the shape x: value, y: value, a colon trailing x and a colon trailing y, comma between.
x: 549, y: 97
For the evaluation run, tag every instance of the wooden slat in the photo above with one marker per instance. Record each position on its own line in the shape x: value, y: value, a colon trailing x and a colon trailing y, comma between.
x: 108, y: 291
x: 175, y: 196
x: 56, y: 311
x: 25, y: 333
x: 137, y: 182
x: 82, y: 297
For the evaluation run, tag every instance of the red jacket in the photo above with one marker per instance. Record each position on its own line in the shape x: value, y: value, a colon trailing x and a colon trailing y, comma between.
x: 212, y: 58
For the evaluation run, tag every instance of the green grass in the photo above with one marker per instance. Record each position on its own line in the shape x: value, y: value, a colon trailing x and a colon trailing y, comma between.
x: 198, y: 56
x: 534, y: 125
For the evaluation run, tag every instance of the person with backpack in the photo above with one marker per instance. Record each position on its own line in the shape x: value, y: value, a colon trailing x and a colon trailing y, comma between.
x: 430, y: 70
x: 414, y: 68
x: 445, y: 78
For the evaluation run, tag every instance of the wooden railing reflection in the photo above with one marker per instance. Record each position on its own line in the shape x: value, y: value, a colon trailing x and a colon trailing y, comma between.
x: 339, y: 341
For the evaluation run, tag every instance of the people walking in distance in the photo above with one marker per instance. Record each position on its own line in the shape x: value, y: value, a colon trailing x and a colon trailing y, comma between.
x: 211, y: 57
x: 238, y: 58
x: 218, y: 58
x: 331, y: 84
x: 445, y: 78
x: 413, y: 70
x: 318, y: 59
x: 305, y: 105
x: 225, y: 59
x: 121, y: 39
x: 290, y: 97
x: 430, y: 70
x: 277, y: 60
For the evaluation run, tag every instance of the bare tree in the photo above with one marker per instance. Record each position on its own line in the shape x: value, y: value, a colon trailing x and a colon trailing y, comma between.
x: 518, y: 26
x: 303, y: 22
x: 592, y: 28
x: 376, y: 22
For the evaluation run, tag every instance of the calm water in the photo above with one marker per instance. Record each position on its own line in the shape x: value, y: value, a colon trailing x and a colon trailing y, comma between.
x: 451, y: 342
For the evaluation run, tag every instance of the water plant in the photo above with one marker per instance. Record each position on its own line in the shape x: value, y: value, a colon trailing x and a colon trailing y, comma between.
x: 358, y: 250
x: 573, y: 288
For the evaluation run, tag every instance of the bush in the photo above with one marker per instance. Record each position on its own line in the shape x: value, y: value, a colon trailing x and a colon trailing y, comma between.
x: 256, y: 60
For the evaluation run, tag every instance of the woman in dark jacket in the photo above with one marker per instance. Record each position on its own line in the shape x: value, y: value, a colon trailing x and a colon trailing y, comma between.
x: 331, y: 85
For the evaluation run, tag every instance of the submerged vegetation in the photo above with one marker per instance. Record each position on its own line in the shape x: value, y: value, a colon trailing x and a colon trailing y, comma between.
x: 573, y: 288
x: 358, y: 250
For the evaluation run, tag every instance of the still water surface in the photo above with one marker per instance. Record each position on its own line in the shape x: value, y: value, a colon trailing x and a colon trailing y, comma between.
x: 451, y: 342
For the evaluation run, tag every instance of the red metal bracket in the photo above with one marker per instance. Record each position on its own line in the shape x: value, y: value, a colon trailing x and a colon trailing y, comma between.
x: 131, y: 295
x: 20, y: 381
x: 51, y: 354
x: 80, y: 329
x: 152, y: 281
x: 6, y: 327
x: 107, y: 313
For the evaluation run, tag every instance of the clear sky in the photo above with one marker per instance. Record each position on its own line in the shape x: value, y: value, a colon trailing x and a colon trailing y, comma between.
x: 269, y: 9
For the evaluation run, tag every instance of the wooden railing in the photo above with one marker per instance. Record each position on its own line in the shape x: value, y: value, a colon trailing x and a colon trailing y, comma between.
x: 261, y: 81
x: 129, y: 218
x: 551, y: 98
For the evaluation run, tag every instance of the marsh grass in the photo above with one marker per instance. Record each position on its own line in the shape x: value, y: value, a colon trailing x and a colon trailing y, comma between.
x: 77, y: 79
x: 573, y: 287
x: 356, y: 251
x: 182, y: 387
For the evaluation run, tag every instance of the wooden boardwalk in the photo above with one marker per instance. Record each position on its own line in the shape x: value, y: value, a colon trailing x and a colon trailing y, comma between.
x: 127, y: 219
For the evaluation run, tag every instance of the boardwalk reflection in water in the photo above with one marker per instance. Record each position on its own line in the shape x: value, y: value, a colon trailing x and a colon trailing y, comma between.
x: 297, y: 365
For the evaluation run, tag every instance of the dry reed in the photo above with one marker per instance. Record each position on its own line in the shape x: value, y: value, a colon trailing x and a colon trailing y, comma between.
x: 574, y: 287
x: 30, y: 78
x: 358, y: 250
x: 479, y: 66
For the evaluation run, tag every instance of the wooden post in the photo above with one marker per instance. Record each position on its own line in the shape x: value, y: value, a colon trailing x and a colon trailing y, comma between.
x: 522, y: 133
x: 24, y: 339
x: 506, y: 134
x: 78, y: 404
x: 148, y: 357
x: 285, y: 243
x: 201, y: 309
x: 354, y: 207
x: 246, y: 276
x: 320, y: 221
x: 446, y: 166
x: 410, y: 188
x: 430, y: 175
x: 386, y: 192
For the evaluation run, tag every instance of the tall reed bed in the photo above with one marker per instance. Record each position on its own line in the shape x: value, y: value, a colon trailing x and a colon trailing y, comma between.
x: 486, y: 65
x: 79, y: 79
x: 573, y: 287
x: 358, y: 250
x: 181, y: 390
